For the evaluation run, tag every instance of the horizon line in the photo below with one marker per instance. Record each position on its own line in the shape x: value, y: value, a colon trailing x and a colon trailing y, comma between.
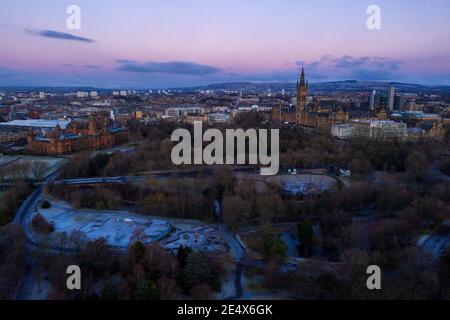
x: 225, y: 83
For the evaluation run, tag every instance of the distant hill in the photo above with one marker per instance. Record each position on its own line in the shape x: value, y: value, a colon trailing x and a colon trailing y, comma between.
x: 347, y: 85
x: 342, y: 86
x: 51, y: 89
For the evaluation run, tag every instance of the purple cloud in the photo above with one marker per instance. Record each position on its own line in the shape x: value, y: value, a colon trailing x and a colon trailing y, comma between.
x: 171, y: 67
x: 57, y: 35
x: 91, y: 66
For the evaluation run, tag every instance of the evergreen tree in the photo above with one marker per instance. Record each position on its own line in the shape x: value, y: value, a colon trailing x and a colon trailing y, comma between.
x: 197, y: 270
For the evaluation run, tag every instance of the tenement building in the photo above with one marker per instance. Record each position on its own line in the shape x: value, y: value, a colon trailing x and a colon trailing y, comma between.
x: 95, y: 134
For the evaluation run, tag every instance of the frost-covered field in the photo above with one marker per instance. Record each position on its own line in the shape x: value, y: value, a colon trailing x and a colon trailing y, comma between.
x: 121, y: 228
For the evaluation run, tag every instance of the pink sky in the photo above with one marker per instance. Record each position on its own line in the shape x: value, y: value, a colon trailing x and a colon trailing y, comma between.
x: 215, y: 41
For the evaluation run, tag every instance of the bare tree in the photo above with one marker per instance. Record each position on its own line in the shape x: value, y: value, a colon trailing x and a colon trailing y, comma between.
x: 38, y: 169
x: 61, y: 241
x: 201, y: 292
x: 138, y: 235
x: 19, y: 170
x: 167, y: 288
x: 3, y: 173
x: 77, y: 239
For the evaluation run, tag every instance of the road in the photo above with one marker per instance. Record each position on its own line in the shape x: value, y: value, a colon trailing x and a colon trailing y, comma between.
x: 22, y: 218
x: 27, y: 206
x: 143, y: 176
x: 236, y: 249
x: 167, y: 174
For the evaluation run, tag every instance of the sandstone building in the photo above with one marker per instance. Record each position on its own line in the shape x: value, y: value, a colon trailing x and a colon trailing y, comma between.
x: 309, y: 115
x: 95, y: 134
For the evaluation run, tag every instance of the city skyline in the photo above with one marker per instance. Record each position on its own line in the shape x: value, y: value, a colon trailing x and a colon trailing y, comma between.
x: 175, y: 44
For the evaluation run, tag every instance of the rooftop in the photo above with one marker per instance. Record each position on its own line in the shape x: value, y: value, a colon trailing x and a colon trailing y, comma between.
x: 417, y: 114
x: 374, y: 121
x: 37, y: 123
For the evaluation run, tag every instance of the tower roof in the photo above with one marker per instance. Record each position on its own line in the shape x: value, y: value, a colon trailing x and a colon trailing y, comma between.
x: 302, y: 78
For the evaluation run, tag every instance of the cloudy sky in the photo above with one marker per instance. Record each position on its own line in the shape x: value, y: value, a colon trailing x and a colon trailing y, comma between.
x: 171, y: 43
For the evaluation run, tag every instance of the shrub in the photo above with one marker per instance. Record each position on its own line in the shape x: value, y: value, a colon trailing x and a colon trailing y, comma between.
x: 305, y: 232
x: 446, y: 168
x: 274, y: 248
x: 41, y: 225
x: 46, y: 205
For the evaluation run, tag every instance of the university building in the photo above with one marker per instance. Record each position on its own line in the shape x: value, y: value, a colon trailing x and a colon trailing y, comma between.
x: 95, y: 134
x: 309, y: 115
x: 370, y: 129
x: 386, y: 130
x: 380, y: 130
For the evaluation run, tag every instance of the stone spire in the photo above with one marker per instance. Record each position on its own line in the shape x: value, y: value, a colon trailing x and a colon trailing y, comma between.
x: 302, y: 78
